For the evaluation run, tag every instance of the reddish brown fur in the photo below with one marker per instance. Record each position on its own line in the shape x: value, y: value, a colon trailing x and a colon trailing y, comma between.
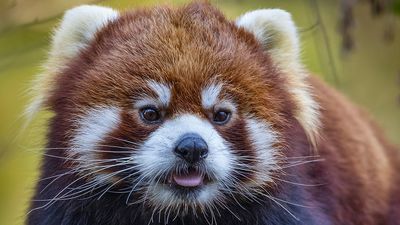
x: 186, y: 55
x: 192, y: 55
x: 361, y: 165
x: 193, y: 46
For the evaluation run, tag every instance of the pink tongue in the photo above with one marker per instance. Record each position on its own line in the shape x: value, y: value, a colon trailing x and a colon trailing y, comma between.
x: 188, y: 180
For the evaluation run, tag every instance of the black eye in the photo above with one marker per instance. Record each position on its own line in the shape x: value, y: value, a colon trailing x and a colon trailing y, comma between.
x: 150, y: 114
x: 221, y: 117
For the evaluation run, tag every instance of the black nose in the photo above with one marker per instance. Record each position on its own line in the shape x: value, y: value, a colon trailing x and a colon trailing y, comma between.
x: 192, y: 148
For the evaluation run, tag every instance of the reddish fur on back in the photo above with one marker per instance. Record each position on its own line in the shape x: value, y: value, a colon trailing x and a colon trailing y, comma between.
x: 361, y: 165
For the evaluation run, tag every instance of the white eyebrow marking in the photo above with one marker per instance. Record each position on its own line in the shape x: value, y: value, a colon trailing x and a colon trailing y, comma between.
x: 145, y: 102
x: 163, y: 92
x: 209, y: 95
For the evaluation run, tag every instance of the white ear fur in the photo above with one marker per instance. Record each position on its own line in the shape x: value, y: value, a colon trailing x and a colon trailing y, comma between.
x: 276, y: 31
x: 78, y: 27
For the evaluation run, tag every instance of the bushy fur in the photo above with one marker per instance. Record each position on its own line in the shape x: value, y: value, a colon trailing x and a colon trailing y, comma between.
x: 174, y: 55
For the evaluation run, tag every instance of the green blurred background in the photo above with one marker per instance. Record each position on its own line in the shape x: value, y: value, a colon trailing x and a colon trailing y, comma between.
x: 369, y: 74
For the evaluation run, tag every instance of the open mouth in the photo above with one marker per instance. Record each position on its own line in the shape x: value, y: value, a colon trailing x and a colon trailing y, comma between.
x: 190, y: 179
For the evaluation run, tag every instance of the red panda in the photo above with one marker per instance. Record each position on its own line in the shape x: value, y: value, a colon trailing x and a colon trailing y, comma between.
x: 180, y: 116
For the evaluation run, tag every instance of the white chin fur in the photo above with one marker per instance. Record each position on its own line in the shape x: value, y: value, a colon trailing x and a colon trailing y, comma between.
x: 157, y: 155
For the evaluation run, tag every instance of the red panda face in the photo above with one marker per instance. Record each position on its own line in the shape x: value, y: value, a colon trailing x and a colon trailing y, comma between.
x: 172, y: 107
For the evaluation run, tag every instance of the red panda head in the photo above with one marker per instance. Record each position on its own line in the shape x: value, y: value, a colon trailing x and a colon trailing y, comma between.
x: 175, y: 107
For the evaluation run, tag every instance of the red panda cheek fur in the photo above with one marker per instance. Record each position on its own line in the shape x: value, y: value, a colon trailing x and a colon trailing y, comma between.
x: 352, y: 180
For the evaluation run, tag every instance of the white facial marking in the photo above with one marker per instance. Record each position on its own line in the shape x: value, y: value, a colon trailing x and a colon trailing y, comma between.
x: 262, y: 139
x: 209, y: 95
x: 157, y: 155
x: 163, y: 92
x: 92, y: 129
x: 147, y: 101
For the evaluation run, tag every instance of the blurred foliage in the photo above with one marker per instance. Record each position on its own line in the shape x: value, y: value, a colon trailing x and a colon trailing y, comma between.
x: 378, y: 8
x: 369, y: 74
x: 396, y: 7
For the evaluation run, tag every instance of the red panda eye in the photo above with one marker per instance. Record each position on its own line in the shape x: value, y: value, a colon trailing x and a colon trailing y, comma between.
x: 221, y: 117
x: 150, y: 114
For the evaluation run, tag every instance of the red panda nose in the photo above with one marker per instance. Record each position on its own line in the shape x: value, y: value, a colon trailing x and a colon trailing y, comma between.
x: 192, y: 148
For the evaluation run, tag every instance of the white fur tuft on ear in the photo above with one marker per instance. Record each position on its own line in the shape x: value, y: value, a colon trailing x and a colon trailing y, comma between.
x: 276, y: 31
x: 78, y: 27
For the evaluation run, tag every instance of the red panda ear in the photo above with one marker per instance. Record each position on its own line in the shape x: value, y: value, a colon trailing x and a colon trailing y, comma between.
x: 276, y: 31
x: 78, y: 27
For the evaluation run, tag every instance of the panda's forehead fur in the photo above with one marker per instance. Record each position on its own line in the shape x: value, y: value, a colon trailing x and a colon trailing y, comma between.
x: 186, y: 50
